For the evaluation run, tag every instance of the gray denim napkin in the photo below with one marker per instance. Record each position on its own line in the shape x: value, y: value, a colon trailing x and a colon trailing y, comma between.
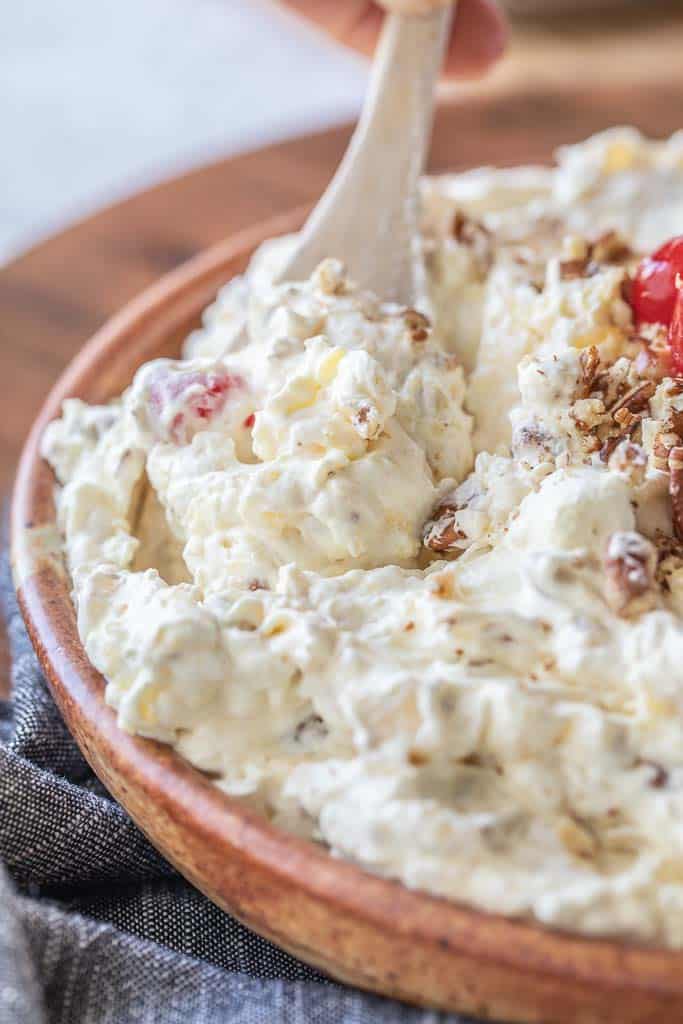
x: 96, y: 928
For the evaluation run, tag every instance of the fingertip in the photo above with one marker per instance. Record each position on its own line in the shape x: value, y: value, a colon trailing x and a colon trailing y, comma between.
x: 479, y: 38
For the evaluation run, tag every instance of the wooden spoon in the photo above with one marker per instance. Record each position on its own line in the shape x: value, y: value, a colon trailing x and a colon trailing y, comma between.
x: 368, y: 216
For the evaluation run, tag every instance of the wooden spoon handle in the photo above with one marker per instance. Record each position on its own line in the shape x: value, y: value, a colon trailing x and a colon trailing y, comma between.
x: 368, y: 215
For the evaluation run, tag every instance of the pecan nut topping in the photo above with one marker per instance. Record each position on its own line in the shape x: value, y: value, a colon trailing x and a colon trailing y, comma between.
x: 472, y: 233
x: 418, y: 324
x: 441, y: 533
x: 630, y: 563
x: 467, y: 230
x: 661, y: 449
x: 574, y: 270
x: 636, y: 400
x: 611, y: 248
x: 590, y: 364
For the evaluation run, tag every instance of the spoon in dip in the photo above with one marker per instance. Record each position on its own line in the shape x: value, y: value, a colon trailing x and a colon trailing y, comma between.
x: 368, y: 215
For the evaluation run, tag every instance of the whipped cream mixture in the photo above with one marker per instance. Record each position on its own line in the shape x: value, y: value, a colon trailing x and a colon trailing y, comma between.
x: 412, y: 584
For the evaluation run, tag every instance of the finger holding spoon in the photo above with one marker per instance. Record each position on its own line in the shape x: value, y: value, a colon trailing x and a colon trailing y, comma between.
x: 477, y: 40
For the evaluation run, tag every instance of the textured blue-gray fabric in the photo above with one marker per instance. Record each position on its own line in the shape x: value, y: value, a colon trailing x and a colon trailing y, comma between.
x: 96, y: 928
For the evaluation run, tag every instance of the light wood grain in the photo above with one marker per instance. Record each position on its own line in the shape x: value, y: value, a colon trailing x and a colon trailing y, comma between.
x: 635, y: 47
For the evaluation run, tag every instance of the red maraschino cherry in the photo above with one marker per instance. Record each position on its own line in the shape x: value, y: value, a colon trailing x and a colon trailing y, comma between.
x: 657, y: 282
x: 657, y: 295
x: 194, y: 399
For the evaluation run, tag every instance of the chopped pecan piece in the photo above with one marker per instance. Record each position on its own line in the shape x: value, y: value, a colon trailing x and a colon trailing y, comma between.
x: 310, y: 729
x: 441, y: 532
x: 467, y: 230
x: 636, y: 400
x: 572, y: 270
x: 630, y: 563
x: 258, y: 585
x: 443, y: 535
x: 418, y: 324
x: 664, y: 442
x: 660, y: 775
x: 626, y: 419
x: 627, y: 423
x: 611, y: 248
x: 609, y: 446
x: 590, y: 363
x: 367, y: 421
x: 472, y: 233
x: 668, y: 547
x: 676, y: 489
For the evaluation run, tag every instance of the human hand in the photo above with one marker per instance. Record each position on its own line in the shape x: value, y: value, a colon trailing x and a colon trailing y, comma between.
x: 478, y: 37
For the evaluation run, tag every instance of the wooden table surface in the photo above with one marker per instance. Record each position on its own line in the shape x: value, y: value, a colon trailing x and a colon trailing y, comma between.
x: 561, y: 81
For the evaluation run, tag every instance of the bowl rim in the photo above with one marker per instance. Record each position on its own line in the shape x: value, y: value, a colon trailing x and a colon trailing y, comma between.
x: 525, y: 947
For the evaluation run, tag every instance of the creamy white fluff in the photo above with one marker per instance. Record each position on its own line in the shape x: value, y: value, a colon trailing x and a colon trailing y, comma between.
x: 496, y: 726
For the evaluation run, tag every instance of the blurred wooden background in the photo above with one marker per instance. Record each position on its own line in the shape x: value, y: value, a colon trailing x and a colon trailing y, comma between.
x: 562, y: 79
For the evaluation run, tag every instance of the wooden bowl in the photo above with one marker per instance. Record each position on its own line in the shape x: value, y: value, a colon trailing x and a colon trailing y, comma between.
x: 358, y: 928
